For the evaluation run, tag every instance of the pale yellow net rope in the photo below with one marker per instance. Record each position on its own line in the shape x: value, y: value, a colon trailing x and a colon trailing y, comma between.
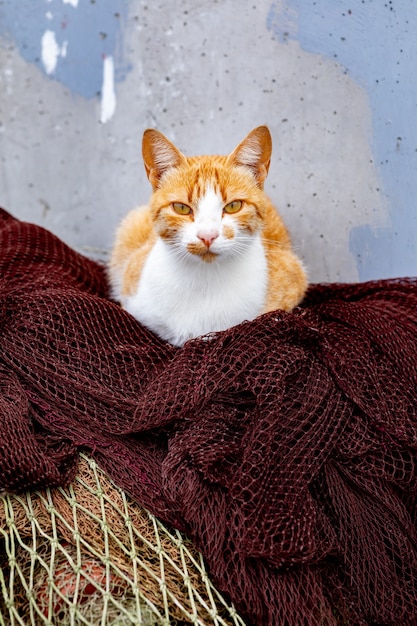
x: 89, y: 555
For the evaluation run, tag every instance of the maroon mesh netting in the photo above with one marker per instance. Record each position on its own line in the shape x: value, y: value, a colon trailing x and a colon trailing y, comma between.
x: 285, y: 447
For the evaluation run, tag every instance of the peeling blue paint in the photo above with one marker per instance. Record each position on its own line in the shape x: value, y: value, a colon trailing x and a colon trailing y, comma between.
x: 92, y: 30
x: 375, y: 43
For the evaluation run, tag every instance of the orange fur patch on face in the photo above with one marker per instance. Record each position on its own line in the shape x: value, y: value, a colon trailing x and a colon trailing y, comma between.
x: 168, y: 223
x: 228, y: 231
x: 249, y: 219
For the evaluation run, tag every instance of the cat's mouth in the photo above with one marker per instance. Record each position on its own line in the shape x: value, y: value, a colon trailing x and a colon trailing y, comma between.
x: 208, y: 257
x: 202, y: 251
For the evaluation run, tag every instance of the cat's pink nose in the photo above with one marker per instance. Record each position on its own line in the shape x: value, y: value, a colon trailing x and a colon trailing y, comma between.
x: 207, y: 237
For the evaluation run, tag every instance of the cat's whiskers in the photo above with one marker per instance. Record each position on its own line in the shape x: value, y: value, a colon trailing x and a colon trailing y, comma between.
x: 238, y: 251
x: 180, y: 251
x: 277, y: 244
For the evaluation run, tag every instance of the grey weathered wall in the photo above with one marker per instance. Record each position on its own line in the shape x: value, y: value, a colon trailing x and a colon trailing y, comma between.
x: 81, y: 79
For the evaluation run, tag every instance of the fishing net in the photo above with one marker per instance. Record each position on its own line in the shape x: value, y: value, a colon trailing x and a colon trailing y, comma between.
x: 284, y: 448
x: 87, y: 554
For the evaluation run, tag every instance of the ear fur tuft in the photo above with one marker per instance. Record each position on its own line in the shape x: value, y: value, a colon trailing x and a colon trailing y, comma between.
x: 159, y: 155
x: 254, y: 152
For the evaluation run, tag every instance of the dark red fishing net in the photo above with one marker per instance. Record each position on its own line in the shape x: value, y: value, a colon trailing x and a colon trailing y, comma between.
x: 286, y: 447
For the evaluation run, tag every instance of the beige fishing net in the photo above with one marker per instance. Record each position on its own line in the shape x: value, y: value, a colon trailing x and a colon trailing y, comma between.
x: 88, y: 554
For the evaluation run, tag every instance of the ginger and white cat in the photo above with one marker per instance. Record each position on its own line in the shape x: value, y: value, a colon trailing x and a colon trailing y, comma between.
x: 210, y: 250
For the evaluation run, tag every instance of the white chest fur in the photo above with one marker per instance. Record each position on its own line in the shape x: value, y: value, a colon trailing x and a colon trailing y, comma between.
x: 180, y: 299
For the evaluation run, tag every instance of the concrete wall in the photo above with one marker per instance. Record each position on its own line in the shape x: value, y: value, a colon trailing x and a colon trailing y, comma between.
x: 335, y: 81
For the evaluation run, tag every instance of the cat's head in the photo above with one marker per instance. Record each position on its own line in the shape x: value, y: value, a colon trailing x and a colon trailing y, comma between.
x: 207, y: 207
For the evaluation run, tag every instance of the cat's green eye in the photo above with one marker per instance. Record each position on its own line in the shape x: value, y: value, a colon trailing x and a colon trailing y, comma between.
x: 233, y: 207
x: 181, y: 209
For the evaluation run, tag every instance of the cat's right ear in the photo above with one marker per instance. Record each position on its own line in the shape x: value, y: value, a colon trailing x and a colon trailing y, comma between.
x: 159, y: 155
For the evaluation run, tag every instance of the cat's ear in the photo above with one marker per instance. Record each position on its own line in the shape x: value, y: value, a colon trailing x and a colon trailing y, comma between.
x: 254, y: 152
x: 159, y: 155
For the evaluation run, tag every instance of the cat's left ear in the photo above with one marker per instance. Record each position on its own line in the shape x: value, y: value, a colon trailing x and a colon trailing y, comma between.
x: 159, y: 155
x: 254, y: 152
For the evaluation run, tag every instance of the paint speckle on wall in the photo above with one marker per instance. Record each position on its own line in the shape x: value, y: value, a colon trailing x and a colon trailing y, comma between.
x: 78, y: 44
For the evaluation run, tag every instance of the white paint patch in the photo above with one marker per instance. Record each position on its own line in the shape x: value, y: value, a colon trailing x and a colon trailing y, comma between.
x: 49, y: 15
x: 108, y: 94
x: 50, y: 51
x: 74, y: 3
